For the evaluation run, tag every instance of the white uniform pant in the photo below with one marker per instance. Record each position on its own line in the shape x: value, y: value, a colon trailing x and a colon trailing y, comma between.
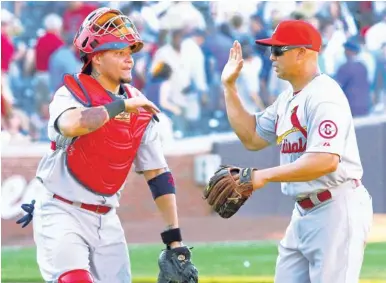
x: 326, y: 243
x: 68, y: 237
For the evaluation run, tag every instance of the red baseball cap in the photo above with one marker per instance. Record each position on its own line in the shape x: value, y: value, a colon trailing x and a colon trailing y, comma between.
x: 294, y: 33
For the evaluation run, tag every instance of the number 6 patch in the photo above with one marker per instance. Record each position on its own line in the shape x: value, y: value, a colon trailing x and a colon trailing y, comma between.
x: 328, y: 129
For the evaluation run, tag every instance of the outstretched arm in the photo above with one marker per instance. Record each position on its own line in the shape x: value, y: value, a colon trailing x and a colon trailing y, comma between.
x: 309, y: 167
x: 327, y: 129
x: 243, y: 123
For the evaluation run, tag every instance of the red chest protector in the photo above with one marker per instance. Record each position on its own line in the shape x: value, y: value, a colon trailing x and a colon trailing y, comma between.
x: 101, y: 160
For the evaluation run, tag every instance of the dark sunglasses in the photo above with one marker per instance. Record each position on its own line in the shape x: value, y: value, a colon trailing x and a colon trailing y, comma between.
x: 279, y: 50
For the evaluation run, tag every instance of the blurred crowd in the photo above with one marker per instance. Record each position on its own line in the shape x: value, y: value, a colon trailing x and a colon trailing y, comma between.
x: 186, y: 47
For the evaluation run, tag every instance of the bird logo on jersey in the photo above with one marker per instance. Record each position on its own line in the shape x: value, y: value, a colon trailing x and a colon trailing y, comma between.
x: 299, y: 145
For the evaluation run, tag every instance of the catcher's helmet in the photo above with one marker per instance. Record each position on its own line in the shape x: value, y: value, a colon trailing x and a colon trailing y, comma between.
x: 106, y: 29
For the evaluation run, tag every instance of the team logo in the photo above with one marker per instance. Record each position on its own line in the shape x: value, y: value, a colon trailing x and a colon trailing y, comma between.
x: 282, y: 137
x: 296, y: 126
x: 275, y: 29
x: 328, y: 129
x: 290, y: 146
x: 124, y: 116
x: 171, y: 181
x: 296, y: 123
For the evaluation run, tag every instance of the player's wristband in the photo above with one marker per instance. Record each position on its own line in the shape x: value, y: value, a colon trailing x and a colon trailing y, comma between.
x: 116, y: 107
x: 172, y: 235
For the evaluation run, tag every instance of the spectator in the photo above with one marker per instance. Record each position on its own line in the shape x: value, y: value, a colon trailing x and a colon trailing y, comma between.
x: 184, y: 15
x: 217, y: 43
x: 237, y: 27
x: 364, y: 56
x: 7, y: 54
x: 248, y: 83
x: 258, y: 31
x: 368, y: 59
x: 376, y: 35
x: 142, y: 59
x: 150, y: 14
x: 380, y: 82
x: 276, y: 86
x: 63, y: 61
x: 279, y: 9
x: 186, y: 59
x: 39, y: 123
x: 16, y: 130
x: 158, y: 90
x: 46, y: 45
x: 334, y: 40
x: 352, y: 77
x: 216, y: 48
x: 76, y: 12
x: 191, y: 49
x: 171, y: 54
x: 6, y: 110
x: 342, y: 18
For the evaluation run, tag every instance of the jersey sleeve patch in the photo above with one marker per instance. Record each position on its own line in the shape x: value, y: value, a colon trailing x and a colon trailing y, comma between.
x: 328, y: 129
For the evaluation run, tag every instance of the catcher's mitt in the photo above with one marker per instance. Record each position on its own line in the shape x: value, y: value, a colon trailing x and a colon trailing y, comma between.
x: 176, y: 267
x: 228, y: 189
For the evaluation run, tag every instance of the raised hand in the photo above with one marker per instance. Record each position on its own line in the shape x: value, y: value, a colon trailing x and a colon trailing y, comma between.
x: 234, y: 65
x: 133, y: 104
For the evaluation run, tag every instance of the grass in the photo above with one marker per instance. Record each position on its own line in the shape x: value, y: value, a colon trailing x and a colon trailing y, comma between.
x: 212, y: 260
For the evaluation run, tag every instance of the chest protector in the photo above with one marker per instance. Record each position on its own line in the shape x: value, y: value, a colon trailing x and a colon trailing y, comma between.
x: 101, y: 160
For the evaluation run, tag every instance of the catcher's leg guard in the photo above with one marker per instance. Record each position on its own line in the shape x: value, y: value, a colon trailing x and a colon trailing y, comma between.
x: 76, y: 276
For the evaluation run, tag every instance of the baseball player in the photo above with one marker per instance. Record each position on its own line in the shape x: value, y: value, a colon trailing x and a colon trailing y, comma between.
x: 320, y: 167
x: 99, y: 126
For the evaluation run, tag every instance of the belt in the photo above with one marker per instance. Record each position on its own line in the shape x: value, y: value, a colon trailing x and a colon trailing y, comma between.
x: 316, y: 199
x: 100, y: 209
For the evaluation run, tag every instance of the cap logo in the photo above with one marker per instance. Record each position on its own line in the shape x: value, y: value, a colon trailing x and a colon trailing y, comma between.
x: 275, y: 29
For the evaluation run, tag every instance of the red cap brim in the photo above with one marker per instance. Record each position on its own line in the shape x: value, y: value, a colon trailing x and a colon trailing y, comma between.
x: 270, y: 42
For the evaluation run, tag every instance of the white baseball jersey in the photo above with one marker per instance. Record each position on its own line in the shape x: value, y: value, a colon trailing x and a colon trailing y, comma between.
x: 316, y: 119
x: 53, y: 171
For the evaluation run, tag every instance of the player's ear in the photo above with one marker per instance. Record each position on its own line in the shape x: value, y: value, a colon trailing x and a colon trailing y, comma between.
x: 302, y: 53
x: 96, y: 59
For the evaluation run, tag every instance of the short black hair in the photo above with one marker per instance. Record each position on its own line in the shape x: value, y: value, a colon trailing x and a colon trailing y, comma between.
x: 84, y: 58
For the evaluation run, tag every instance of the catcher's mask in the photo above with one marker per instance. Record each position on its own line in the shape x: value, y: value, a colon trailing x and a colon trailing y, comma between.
x: 106, y: 29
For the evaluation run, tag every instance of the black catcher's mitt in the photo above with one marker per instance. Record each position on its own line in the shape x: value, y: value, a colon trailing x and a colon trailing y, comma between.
x: 176, y: 266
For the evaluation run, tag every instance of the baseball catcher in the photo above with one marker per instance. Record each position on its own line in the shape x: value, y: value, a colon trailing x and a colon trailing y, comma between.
x: 100, y: 127
x: 228, y: 189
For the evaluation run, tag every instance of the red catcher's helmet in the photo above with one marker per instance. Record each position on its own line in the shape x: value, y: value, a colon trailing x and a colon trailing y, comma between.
x: 106, y: 29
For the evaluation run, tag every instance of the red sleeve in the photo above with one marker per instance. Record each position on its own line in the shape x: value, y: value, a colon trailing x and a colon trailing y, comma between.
x: 57, y: 43
x: 7, y: 51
